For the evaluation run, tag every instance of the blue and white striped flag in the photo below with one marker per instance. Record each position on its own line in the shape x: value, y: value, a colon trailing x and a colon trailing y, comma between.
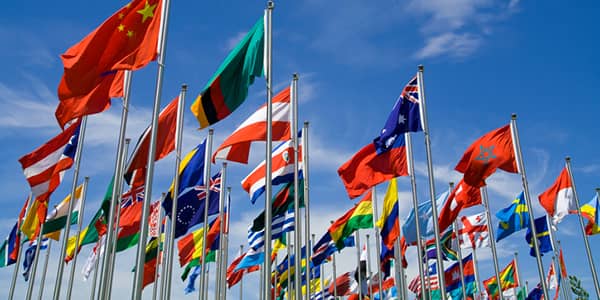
x: 30, y: 256
x: 280, y: 224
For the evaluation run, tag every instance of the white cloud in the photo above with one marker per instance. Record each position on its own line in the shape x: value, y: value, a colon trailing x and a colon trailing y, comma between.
x: 234, y: 40
x: 449, y: 14
x: 450, y: 44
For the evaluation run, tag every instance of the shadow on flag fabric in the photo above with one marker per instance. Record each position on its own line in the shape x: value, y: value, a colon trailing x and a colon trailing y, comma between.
x: 513, y: 218
x: 388, y: 221
x: 462, y: 196
x: 409, y: 226
x: 543, y: 236
x: 190, y: 246
x: 125, y: 41
x: 358, y: 217
x: 559, y: 199
x: 57, y: 218
x: 228, y: 88
x: 536, y: 293
x: 404, y: 117
x: 491, y: 151
x: 590, y: 212
x: 282, y: 201
x: 453, y: 279
x: 236, y: 147
x: 473, y: 231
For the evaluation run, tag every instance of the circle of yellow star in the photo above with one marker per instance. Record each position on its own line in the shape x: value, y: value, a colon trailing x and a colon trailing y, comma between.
x: 121, y: 27
x: 130, y: 33
x: 147, y: 11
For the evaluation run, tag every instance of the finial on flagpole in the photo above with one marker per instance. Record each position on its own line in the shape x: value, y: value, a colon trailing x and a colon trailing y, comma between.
x: 568, y: 158
x: 270, y: 4
x: 184, y: 87
x: 513, y: 116
x: 211, y: 131
x: 127, y: 140
x: 598, y: 189
x: 295, y: 76
x: 420, y: 67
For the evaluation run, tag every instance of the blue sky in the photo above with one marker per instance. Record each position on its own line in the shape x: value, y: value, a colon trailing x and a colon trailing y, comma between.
x: 484, y: 59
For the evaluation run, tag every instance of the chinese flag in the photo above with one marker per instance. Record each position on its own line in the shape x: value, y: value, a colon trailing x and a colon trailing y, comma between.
x: 125, y: 41
x: 491, y: 151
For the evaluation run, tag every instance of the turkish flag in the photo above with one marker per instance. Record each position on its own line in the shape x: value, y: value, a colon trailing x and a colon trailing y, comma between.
x: 491, y: 151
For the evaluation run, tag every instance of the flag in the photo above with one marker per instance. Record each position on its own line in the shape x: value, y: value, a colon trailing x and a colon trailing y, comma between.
x: 345, y: 284
x: 446, y: 242
x: 191, y: 173
x: 513, y: 218
x: 473, y: 231
x: 237, y: 146
x: 562, y: 265
x: 508, y: 278
x: 280, y: 224
x: 281, y: 202
x: 165, y: 140
x: 326, y: 247
x: 234, y: 275
x: 360, y: 216
x: 590, y: 211
x: 536, y: 293
x: 551, y: 279
x: 543, y: 236
x: 132, y: 204
x: 388, y: 221
x: 409, y: 226
x: 44, y: 169
x: 404, y: 117
x: 431, y: 281
x: 210, y: 257
x: 56, y: 220
x: 30, y: 256
x: 559, y: 199
x: 150, y: 261
x: 127, y: 40
x: 190, y: 246
x: 252, y: 258
x: 228, y: 88
x: 491, y: 151
x: 462, y: 196
x: 10, y: 248
x: 190, y: 286
x: 154, y: 220
x: 90, y: 263
x: 282, y: 170
x: 367, y: 168
x: 453, y: 279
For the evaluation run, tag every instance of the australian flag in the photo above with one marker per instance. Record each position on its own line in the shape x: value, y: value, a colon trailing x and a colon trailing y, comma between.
x: 405, y: 117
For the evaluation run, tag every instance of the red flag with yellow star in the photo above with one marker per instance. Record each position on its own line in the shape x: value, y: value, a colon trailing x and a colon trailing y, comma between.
x: 93, y: 67
x: 491, y: 151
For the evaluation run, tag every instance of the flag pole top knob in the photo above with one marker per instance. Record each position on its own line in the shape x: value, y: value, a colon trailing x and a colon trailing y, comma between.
x: 513, y: 116
x: 86, y: 178
x: 211, y: 131
x: 420, y: 67
x: 516, y: 253
x: 184, y: 87
x: 127, y: 140
x: 295, y: 76
x: 270, y: 4
x: 306, y: 123
x: 598, y: 190
x: 568, y: 158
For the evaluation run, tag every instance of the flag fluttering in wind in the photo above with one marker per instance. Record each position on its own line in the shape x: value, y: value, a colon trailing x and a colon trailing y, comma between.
x: 508, y: 278
x: 234, y: 275
x: 409, y: 226
x: 473, y: 231
x: 513, y: 218
x: 191, y: 173
x: 190, y: 246
x: 10, y: 247
x: 543, y: 236
x: 388, y: 221
x: 590, y: 211
x: 462, y: 196
x: 325, y: 247
x: 228, y: 88
x: 236, y: 147
x: 491, y: 151
x: 559, y: 199
x: 29, y: 257
x: 57, y: 218
x: 358, y: 217
x: 281, y: 202
x: 93, y: 67
x: 453, y: 279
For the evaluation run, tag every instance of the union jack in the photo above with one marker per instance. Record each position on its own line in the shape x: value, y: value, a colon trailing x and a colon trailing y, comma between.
x: 127, y: 199
x: 411, y: 91
x: 215, y: 186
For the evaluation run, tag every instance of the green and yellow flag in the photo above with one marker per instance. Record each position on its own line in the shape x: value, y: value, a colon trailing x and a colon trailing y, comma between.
x: 508, y: 277
x: 360, y: 216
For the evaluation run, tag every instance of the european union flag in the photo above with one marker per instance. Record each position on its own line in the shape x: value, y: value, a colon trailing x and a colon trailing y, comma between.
x: 543, y: 236
x: 513, y: 218
x: 405, y: 117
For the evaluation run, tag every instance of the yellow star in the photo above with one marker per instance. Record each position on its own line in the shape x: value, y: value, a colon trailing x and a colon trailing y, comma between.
x: 147, y: 11
x: 121, y: 15
x: 130, y: 33
x: 121, y: 27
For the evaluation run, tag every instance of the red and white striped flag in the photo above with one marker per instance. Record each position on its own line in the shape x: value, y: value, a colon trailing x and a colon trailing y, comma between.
x: 154, y: 222
x: 559, y: 199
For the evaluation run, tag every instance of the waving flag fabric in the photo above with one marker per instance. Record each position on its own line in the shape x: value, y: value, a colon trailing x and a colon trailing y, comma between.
x: 388, y: 221
x: 234, y: 275
x: 491, y: 151
x: 446, y: 242
x: 473, y: 231
x: 591, y: 211
x: 508, y: 278
x: 559, y: 199
x: 237, y: 146
x: 228, y: 88
x: 90, y: 263
x: 126, y: 41
x: 513, y: 218
x: 326, y: 247
x: 453, y: 279
x: 56, y: 220
x: 282, y: 170
x: 191, y: 173
x: 463, y: 196
x: 409, y: 226
x: 281, y: 202
x: 543, y: 236
x: 360, y: 216
x: 190, y: 246
x: 10, y: 247
x: 132, y: 203
x: 280, y: 224
x: 29, y: 256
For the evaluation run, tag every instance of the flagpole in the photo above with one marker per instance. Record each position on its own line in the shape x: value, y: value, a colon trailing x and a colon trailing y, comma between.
x: 117, y: 182
x: 67, y: 228
x: 86, y: 181
x: 242, y: 279
x: 306, y: 197
x: 434, y: 213
x: 219, y: 253
x: 96, y: 265
x: 33, y: 269
x: 334, y: 275
x: 399, y: 272
x: 476, y: 271
x: 261, y: 283
x: 360, y: 291
x: 515, y: 257
x: 166, y: 253
x: 297, y: 221
x: 377, y: 247
x: 207, y: 279
x: 43, y: 280
x: 415, y: 201
x: 159, y: 259
x: 554, y: 250
x: 585, y: 238
x: 460, y: 258
x: 207, y: 178
x: 269, y: 147
x: 289, y: 266
x: 168, y: 266
x: 567, y: 284
x: 322, y: 271
x: 225, y: 238
x: 369, y: 290
x: 521, y: 168
x: 484, y: 198
x: 13, y: 282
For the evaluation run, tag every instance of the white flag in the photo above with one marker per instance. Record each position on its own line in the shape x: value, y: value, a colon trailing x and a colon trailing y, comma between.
x: 473, y: 231
x: 90, y: 264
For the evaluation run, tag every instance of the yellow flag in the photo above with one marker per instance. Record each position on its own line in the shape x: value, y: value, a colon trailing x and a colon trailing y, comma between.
x: 390, y: 199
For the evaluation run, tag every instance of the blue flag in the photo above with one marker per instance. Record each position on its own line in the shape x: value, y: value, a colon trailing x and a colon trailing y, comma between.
x: 543, y: 236
x: 513, y: 218
x: 409, y: 227
x: 325, y: 247
x: 30, y: 256
x: 190, y: 286
x: 404, y: 117
x: 536, y: 293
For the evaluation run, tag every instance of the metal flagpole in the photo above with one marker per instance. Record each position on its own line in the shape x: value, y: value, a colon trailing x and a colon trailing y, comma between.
x: 334, y: 275
x: 168, y: 266
x: 43, y: 280
x: 398, y: 269
x: 415, y: 201
x: 484, y: 198
x: 163, y: 266
x: 86, y: 181
x: 434, y: 213
x: 242, y: 279
x: 67, y: 229
x: 159, y: 259
x: 207, y: 179
x: 96, y: 265
x: 13, y: 282
x: 225, y: 238
x: 476, y: 271
x: 567, y: 283
x: 269, y: 147
x: 360, y: 290
x: 322, y: 271
x: 219, y: 253
x: 377, y: 248
x: 460, y: 258
x: 515, y: 257
x: 262, y: 277
x: 297, y: 220
x: 551, y: 233
x: 207, y: 279
x: 521, y: 169
x: 369, y: 273
x: 139, y: 274
x: 34, y: 266
x: 585, y: 238
x: 289, y: 266
x: 306, y: 199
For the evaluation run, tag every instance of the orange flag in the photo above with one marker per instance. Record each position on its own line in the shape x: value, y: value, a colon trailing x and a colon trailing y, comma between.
x: 125, y: 41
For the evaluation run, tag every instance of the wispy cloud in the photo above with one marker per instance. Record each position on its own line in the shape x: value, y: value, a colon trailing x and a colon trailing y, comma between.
x: 450, y: 44
x: 234, y: 40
